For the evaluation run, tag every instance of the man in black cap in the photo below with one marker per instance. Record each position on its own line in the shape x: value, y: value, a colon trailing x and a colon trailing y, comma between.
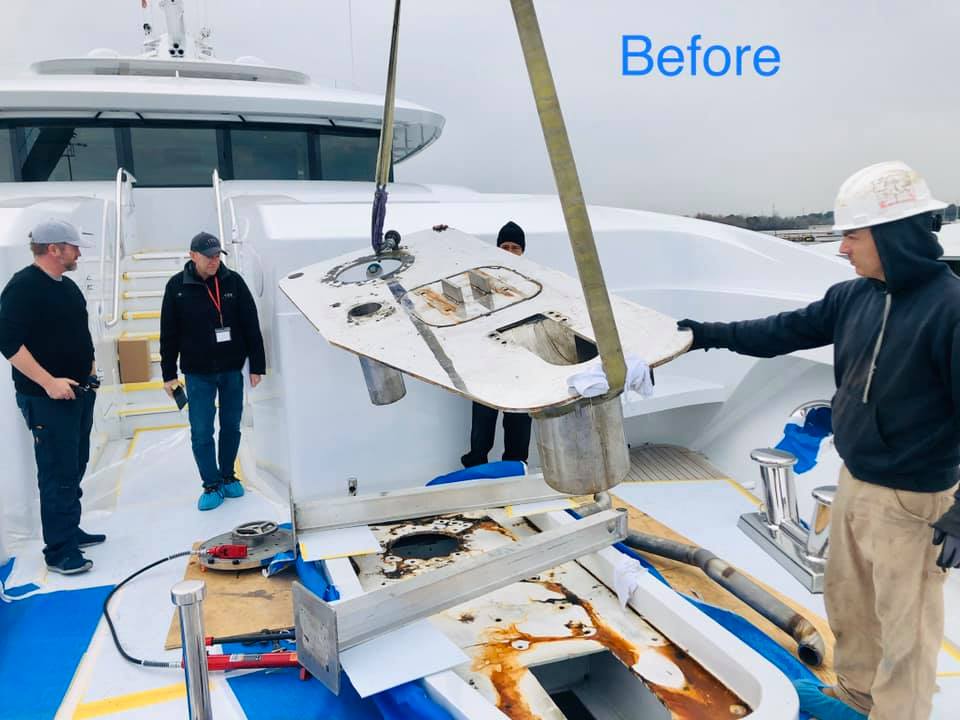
x: 45, y: 335
x: 516, y: 426
x: 209, y: 320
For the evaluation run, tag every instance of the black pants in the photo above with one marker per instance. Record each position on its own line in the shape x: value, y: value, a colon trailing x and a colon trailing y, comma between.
x: 61, y: 442
x: 516, y: 435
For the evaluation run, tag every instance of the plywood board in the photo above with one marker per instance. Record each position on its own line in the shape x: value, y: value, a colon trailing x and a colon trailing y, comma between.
x: 239, y: 602
x: 502, y: 330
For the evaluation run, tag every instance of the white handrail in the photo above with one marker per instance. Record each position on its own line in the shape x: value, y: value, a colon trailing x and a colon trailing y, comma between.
x: 122, y: 175
x: 216, y: 194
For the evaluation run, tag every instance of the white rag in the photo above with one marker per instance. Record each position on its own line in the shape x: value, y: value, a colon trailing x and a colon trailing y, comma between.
x: 626, y: 578
x: 592, y: 381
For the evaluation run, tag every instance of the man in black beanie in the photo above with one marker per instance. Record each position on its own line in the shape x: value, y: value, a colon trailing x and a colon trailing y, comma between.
x: 516, y: 426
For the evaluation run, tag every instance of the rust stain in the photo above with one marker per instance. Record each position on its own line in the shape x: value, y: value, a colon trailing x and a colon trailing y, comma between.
x: 466, y: 618
x: 438, y: 301
x: 501, y: 659
x: 463, y: 534
x: 702, y: 697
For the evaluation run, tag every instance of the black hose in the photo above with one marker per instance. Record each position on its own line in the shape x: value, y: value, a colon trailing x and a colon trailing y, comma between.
x: 810, y: 645
x: 113, y: 630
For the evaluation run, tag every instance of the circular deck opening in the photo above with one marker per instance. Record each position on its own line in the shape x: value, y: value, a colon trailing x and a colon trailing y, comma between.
x: 371, y: 268
x: 364, y: 310
x: 424, y: 546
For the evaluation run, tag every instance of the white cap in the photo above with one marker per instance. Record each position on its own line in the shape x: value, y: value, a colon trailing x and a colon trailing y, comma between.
x: 51, y: 232
x: 882, y: 193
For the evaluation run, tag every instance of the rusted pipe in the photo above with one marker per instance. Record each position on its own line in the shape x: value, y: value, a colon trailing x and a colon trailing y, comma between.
x: 810, y: 645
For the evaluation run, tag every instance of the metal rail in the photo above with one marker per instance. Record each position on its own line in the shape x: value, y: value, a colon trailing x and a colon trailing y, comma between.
x: 216, y: 194
x: 122, y: 176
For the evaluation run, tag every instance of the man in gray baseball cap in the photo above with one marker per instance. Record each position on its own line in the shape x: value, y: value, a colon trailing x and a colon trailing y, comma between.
x: 44, y: 333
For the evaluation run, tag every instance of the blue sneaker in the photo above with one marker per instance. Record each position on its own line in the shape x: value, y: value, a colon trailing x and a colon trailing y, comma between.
x: 71, y: 565
x: 210, y: 499
x: 232, y: 488
x: 823, y: 707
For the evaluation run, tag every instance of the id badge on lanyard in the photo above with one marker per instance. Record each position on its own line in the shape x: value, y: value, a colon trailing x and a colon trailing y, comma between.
x: 222, y: 333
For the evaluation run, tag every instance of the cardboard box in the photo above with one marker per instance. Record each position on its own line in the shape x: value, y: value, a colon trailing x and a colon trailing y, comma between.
x: 134, y: 356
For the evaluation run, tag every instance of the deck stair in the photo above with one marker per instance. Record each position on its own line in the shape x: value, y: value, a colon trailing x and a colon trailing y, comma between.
x: 136, y: 406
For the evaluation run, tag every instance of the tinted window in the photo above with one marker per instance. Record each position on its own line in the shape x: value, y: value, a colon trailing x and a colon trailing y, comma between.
x: 348, y: 157
x: 65, y: 152
x: 6, y: 157
x: 173, y: 156
x: 270, y: 155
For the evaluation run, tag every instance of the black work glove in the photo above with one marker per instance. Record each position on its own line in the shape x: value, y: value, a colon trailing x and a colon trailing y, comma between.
x: 699, y: 341
x: 946, y: 532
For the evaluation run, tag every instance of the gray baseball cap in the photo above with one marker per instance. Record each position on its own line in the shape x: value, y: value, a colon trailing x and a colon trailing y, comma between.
x: 51, y: 232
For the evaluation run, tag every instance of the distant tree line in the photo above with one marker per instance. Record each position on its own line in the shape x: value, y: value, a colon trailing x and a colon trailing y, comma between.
x: 763, y: 223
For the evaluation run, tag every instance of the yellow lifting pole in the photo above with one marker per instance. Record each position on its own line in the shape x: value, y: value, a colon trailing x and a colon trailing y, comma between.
x: 571, y: 196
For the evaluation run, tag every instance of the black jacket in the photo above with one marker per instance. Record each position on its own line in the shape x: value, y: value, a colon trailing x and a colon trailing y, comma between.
x: 897, y: 424
x: 188, y: 319
x: 49, y: 317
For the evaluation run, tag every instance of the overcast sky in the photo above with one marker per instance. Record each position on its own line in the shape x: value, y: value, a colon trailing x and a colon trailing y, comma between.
x: 860, y: 81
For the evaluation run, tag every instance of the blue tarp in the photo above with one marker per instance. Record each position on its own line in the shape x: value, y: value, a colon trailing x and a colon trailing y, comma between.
x: 42, y: 639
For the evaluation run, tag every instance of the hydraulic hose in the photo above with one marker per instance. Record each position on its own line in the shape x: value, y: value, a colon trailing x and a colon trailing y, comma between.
x: 810, y: 645
x: 263, y: 635
x: 113, y: 630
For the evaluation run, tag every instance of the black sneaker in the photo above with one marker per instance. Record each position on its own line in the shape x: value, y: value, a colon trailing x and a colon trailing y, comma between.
x: 71, y: 565
x: 85, y: 539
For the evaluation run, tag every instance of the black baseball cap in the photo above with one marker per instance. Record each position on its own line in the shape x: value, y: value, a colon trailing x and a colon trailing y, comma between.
x: 206, y: 244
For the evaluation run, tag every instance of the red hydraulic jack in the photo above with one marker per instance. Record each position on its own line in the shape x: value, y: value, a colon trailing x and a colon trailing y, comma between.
x: 256, y: 661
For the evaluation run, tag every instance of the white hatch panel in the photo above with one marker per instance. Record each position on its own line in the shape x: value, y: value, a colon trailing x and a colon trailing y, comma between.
x: 459, y: 313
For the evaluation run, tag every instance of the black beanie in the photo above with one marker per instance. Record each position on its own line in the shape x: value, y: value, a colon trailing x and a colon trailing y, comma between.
x: 511, y: 232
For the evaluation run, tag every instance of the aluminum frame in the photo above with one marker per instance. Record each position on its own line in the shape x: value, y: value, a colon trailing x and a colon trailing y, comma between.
x: 324, y: 630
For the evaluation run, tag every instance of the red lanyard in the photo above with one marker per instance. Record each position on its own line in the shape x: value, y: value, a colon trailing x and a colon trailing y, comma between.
x: 215, y: 300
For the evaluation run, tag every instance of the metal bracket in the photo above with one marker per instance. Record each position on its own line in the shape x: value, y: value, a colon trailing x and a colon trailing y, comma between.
x: 326, y: 630
x: 336, y: 512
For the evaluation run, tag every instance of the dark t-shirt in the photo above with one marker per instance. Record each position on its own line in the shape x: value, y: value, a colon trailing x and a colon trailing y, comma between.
x: 49, y: 317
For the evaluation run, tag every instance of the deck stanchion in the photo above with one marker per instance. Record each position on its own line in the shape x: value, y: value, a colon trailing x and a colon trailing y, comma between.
x: 188, y: 596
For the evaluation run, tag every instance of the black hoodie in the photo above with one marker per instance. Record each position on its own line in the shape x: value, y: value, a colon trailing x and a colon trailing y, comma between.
x: 896, y: 355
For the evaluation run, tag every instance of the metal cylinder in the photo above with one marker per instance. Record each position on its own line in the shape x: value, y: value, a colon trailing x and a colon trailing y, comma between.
x: 188, y: 596
x: 779, y: 493
x: 384, y: 383
x: 818, y: 534
x: 583, y: 450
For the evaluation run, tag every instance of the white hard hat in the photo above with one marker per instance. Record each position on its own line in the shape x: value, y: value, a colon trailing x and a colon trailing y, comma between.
x: 882, y: 193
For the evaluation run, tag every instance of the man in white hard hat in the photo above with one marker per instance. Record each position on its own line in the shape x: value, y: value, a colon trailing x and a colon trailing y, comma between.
x: 45, y: 336
x: 896, y: 420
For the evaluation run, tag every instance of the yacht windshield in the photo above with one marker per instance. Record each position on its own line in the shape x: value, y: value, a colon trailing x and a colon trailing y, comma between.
x: 178, y: 154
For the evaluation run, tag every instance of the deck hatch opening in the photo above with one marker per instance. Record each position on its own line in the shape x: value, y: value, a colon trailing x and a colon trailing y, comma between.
x: 550, y: 340
x: 598, y: 685
x: 425, y: 546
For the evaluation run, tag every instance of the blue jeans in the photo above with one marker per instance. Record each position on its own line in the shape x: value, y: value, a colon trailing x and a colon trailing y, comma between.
x: 61, y: 444
x: 202, y: 389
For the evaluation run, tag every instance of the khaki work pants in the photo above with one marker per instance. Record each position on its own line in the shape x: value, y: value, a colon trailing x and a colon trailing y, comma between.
x: 884, y: 598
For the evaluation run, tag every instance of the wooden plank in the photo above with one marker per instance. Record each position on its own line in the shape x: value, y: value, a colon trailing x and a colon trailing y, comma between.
x: 692, y: 581
x: 238, y: 602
